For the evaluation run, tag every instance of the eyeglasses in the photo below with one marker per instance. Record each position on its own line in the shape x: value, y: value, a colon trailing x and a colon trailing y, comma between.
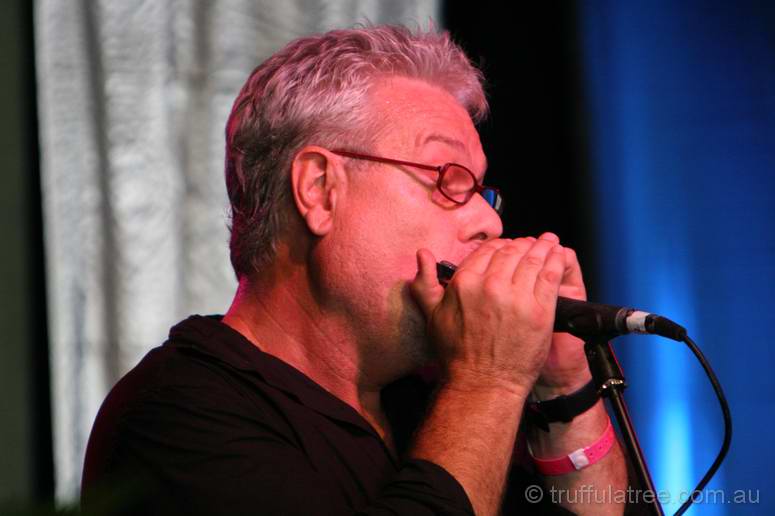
x: 455, y: 182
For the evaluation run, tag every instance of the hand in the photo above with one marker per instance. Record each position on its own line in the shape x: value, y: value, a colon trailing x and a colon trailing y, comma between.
x: 566, y: 369
x: 492, y: 325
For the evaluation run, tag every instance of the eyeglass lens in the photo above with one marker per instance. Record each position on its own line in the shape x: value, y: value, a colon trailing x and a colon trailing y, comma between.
x: 457, y: 183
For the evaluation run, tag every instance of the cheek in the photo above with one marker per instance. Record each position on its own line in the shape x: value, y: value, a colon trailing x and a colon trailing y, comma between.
x: 389, y: 238
x: 389, y: 221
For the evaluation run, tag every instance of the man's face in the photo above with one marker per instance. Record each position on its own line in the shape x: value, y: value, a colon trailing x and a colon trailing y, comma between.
x: 389, y: 212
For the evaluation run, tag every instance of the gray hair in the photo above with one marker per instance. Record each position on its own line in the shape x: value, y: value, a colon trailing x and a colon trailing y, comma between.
x: 315, y: 91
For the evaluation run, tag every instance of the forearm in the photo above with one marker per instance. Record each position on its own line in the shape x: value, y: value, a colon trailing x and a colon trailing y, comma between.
x: 590, y: 489
x: 471, y: 434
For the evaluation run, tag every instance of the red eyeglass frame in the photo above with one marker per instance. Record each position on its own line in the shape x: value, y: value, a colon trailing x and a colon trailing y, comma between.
x: 441, y: 169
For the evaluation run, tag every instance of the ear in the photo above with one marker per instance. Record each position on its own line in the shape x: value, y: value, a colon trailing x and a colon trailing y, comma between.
x: 315, y: 183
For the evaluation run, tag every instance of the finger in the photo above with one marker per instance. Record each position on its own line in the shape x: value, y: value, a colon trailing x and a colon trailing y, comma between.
x: 425, y: 288
x: 572, y: 276
x: 551, y: 237
x: 479, y: 260
x: 530, y: 265
x: 506, y: 259
x: 547, y: 284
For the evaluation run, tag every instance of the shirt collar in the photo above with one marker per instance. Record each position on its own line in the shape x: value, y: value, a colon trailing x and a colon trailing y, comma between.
x: 210, y: 336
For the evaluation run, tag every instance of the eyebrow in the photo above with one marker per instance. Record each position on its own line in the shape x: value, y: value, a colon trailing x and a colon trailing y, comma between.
x: 435, y: 137
x: 453, y: 142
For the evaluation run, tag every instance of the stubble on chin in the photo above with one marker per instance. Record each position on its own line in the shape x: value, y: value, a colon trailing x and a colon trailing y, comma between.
x: 412, y: 336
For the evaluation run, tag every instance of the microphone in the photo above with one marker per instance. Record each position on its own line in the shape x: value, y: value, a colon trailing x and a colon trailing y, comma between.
x: 584, y: 319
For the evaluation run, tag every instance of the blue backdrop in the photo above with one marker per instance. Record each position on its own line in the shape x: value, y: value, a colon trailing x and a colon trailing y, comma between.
x: 681, y: 99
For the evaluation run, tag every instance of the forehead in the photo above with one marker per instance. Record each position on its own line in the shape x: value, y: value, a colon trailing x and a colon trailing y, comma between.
x: 425, y: 120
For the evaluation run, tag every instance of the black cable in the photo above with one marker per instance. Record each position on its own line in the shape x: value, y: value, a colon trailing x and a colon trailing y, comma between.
x: 727, y: 426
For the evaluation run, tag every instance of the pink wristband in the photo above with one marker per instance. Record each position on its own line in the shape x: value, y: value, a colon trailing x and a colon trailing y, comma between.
x: 578, y: 459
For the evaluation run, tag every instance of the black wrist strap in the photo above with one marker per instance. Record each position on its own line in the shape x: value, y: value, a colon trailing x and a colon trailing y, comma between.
x: 562, y: 408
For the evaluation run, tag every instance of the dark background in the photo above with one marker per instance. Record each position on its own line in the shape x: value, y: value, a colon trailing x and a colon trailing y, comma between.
x: 26, y: 466
x: 534, y: 138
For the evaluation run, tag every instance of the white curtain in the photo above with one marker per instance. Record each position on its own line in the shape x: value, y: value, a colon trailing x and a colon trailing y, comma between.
x: 133, y: 98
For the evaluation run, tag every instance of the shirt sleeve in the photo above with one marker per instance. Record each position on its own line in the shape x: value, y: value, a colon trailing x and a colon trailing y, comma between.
x: 421, y: 488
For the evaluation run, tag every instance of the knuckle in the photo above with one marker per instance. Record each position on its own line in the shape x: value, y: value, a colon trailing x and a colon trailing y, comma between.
x: 492, y: 286
x: 489, y: 248
x: 495, y: 244
x: 463, y: 280
x: 550, y: 276
x: 509, y: 249
x: 532, y: 261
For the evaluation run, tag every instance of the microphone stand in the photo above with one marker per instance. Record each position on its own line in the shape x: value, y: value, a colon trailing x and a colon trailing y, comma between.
x: 610, y: 382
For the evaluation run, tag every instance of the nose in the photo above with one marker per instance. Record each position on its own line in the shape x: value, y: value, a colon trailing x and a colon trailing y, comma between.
x: 482, y: 222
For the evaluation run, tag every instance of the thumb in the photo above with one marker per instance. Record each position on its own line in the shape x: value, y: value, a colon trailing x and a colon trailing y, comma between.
x: 425, y: 288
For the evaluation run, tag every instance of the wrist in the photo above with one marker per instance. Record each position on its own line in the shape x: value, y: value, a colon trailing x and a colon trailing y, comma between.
x: 563, y: 438
x: 563, y: 408
x: 543, y: 390
x: 466, y: 380
x: 579, y: 458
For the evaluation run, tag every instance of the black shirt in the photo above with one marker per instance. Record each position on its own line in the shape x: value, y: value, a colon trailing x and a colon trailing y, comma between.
x: 210, y: 424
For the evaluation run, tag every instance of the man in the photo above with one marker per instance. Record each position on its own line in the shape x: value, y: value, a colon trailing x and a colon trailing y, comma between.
x: 353, y: 166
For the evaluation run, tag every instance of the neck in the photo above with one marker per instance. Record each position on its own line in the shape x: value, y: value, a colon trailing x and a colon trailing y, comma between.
x: 283, y: 318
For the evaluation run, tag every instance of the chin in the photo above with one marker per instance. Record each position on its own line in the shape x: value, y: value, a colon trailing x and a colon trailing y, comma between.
x: 412, y: 341
x: 398, y: 336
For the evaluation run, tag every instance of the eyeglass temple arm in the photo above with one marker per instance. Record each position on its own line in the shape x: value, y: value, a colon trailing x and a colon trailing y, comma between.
x: 390, y: 161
